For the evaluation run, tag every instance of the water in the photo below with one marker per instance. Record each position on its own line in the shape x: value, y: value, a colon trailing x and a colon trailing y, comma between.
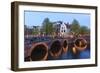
x: 69, y: 55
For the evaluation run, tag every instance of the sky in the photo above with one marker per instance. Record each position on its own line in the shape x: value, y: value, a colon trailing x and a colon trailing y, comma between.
x: 36, y: 18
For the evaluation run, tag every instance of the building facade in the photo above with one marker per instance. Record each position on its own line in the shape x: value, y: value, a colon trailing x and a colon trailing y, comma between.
x: 62, y: 29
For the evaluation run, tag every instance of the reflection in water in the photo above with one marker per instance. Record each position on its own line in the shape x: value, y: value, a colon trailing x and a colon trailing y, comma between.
x: 80, y: 55
x: 70, y: 55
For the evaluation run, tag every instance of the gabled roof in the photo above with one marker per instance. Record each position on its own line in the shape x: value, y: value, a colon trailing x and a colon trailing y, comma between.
x: 59, y: 23
x: 67, y: 25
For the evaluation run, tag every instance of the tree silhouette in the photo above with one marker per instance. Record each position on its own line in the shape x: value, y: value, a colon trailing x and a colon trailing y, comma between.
x: 75, y: 26
x: 47, y: 26
x: 77, y: 29
x: 84, y: 30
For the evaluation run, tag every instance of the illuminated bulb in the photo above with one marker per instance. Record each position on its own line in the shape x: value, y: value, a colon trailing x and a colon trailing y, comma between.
x: 80, y: 43
x: 74, y: 50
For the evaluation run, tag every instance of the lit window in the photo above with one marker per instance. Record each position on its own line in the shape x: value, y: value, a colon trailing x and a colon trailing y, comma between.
x: 62, y: 31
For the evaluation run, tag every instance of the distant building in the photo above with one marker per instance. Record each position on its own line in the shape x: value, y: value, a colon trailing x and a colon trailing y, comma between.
x: 27, y: 30
x: 61, y: 28
x: 36, y: 28
x: 31, y: 30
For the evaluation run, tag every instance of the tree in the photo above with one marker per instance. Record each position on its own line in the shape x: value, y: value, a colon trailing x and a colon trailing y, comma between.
x: 35, y: 30
x: 47, y: 26
x: 25, y: 29
x: 84, y: 30
x: 75, y: 26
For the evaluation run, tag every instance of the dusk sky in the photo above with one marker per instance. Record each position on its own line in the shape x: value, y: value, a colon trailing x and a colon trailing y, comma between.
x: 35, y: 18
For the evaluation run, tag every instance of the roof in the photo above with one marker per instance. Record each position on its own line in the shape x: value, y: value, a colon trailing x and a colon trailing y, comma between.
x: 59, y: 23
